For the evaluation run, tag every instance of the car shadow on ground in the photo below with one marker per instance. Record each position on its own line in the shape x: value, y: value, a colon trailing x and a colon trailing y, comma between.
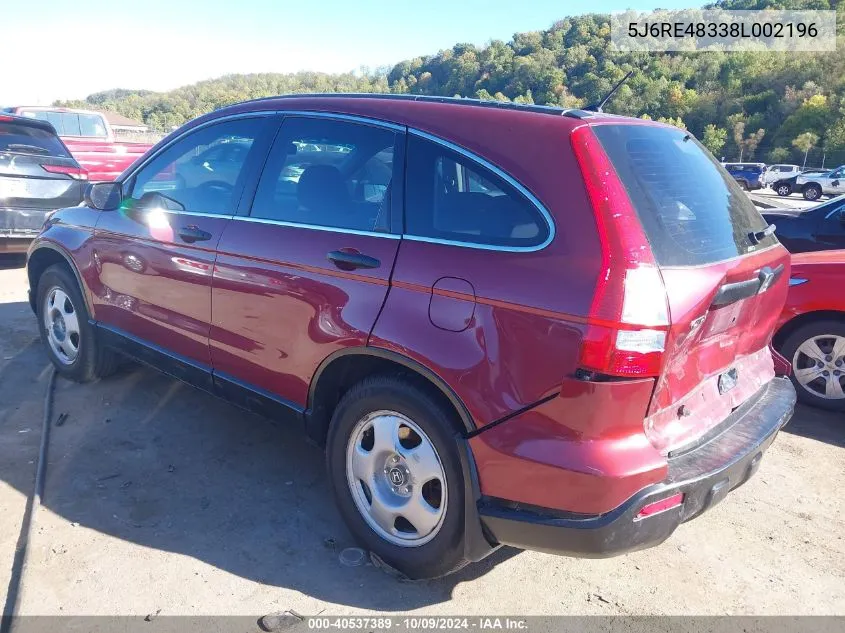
x: 819, y: 425
x: 147, y: 459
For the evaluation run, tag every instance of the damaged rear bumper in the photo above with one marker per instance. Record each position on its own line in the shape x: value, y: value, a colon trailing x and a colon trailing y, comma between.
x: 703, y: 476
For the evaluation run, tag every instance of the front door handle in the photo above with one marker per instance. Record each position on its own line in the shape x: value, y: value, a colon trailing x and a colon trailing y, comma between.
x: 193, y: 233
x: 350, y: 261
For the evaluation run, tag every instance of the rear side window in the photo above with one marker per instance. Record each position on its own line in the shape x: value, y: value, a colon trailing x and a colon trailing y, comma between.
x: 693, y: 212
x: 25, y: 139
x: 451, y: 197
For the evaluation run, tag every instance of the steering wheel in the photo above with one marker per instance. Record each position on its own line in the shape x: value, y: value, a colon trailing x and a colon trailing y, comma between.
x: 215, y: 186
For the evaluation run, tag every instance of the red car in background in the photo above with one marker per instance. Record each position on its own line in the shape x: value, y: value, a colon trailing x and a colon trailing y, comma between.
x: 811, y: 330
x: 90, y: 139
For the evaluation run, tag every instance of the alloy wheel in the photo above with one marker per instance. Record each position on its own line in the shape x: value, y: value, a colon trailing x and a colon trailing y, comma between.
x: 819, y: 366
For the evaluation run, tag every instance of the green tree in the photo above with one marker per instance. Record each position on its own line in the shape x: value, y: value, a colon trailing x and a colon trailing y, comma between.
x: 778, y: 155
x: 805, y: 142
x: 714, y: 138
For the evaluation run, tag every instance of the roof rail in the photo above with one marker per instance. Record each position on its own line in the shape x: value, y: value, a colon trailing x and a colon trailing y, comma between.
x: 503, y: 105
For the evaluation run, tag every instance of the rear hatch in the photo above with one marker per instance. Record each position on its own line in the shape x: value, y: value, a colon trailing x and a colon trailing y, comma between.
x: 725, y: 282
x: 37, y: 175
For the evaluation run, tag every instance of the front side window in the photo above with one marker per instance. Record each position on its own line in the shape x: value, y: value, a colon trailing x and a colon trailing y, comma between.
x: 452, y: 197
x: 329, y: 173
x: 204, y: 170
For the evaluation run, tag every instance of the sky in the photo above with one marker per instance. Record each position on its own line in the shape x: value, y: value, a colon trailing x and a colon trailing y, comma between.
x: 68, y: 49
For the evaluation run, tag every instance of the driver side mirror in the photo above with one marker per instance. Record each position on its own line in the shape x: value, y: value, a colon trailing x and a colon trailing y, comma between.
x: 104, y: 196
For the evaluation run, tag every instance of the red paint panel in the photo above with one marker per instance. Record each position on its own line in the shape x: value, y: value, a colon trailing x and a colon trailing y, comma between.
x: 511, y: 355
x: 584, y: 451
x: 151, y: 283
x: 280, y: 307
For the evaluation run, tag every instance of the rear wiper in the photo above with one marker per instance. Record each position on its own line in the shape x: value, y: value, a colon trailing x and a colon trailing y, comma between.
x: 759, y: 236
x: 26, y: 149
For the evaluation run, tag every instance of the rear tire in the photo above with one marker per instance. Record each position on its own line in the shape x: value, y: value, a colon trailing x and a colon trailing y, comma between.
x: 812, y: 192
x: 743, y: 185
x: 809, y: 365
x: 385, y: 424
x: 783, y: 190
x: 68, y: 337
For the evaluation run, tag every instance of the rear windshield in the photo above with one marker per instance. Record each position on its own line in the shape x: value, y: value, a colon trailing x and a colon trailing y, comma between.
x: 692, y: 210
x: 24, y: 139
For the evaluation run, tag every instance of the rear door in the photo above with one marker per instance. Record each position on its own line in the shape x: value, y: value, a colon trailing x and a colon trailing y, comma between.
x: 37, y: 175
x: 307, y: 272
x: 725, y: 286
x: 154, y: 256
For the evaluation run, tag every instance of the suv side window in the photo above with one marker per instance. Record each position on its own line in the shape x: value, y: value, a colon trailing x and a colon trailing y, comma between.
x: 449, y: 196
x: 326, y: 172
x: 189, y: 179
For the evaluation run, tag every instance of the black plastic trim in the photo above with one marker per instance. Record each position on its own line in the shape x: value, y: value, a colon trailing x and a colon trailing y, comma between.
x: 377, y: 352
x: 69, y: 259
x: 256, y: 400
x: 175, y: 365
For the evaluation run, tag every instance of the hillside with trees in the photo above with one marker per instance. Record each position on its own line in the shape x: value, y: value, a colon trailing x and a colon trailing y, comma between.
x: 772, y: 107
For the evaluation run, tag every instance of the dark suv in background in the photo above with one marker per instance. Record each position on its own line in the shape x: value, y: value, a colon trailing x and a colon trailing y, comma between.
x: 507, y: 324
x: 37, y: 175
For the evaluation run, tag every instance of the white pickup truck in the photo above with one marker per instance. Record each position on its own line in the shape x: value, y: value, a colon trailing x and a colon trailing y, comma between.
x: 813, y: 186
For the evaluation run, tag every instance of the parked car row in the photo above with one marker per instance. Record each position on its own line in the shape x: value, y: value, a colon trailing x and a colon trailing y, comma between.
x: 88, y: 137
x: 788, y: 179
x: 498, y: 337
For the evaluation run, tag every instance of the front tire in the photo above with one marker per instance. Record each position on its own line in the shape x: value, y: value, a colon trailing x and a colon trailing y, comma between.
x: 67, y: 335
x: 396, y: 476
x: 817, y: 353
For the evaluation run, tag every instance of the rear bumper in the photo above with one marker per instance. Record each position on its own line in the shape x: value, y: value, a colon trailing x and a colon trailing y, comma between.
x: 703, y: 475
x: 18, y: 227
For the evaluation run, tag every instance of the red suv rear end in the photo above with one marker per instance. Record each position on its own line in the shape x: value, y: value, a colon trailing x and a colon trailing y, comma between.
x: 508, y: 325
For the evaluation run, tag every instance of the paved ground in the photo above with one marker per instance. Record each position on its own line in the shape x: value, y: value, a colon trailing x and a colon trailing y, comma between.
x: 795, y: 201
x: 159, y: 498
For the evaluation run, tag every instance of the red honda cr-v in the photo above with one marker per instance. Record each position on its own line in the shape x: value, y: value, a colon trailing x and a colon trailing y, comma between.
x: 508, y: 324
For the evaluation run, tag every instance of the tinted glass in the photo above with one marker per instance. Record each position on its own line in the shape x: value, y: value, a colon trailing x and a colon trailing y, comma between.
x: 328, y: 173
x: 451, y: 197
x: 192, y: 176
x: 692, y: 211
x: 23, y: 139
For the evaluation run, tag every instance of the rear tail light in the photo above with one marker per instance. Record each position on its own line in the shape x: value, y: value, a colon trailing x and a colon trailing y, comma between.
x: 661, y: 506
x: 629, y: 316
x: 76, y: 173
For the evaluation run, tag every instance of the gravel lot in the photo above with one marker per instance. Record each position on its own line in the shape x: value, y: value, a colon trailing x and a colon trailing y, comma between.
x: 160, y: 499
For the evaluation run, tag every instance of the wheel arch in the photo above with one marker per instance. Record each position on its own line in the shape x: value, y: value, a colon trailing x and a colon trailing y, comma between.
x: 342, y: 369
x: 801, y: 320
x: 43, y: 256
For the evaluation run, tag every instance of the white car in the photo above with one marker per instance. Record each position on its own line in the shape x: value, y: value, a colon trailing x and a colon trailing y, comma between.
x: 779, y: 172
x: 813, y: 186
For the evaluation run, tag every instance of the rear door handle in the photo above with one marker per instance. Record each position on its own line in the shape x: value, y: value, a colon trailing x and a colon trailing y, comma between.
x: 193, y: 234
x: 351, y: 261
